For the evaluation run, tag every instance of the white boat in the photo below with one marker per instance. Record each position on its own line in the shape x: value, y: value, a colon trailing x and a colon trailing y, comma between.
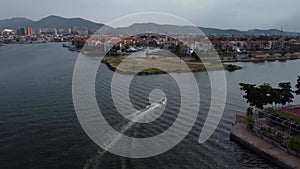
x: 159, y: 103
x: 149, y: 111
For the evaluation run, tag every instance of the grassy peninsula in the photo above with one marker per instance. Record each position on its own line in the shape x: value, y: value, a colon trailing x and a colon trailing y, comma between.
x: 157, y: 65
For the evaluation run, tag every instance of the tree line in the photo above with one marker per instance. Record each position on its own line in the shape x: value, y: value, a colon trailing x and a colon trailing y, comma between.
x: 265, y: 94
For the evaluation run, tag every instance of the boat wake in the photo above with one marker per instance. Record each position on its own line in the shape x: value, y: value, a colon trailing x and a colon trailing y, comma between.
x: 142, y: 116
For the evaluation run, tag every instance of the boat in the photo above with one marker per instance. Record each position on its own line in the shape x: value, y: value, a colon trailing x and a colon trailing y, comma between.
x: 65, y: 45
x: 159, y: 103
x: 154, y: 108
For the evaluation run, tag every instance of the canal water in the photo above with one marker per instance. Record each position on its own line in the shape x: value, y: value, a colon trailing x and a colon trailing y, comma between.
x: 39, y: 127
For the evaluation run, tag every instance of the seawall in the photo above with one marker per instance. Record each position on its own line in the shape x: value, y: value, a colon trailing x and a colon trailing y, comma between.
x: 241, y: 135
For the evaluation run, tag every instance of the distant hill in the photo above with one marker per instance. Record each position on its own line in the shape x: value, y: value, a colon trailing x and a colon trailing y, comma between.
x: 152, y: 27
x: 156, y: 28
x: 15, y: 23
x: 49, y: 22
x: 60, y: 22
x: 248, y: 32
x: 215, y: 31
x: 269, y: 32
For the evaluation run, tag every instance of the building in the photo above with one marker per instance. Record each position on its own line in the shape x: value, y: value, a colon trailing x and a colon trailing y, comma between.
x: 7, y: 32
x: 29, y: 31
x: 22, y: 31
x: 25, y: 31
x: 261, y: 55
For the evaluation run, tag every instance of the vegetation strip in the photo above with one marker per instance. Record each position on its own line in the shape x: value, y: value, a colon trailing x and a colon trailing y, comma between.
x: 133, y: 65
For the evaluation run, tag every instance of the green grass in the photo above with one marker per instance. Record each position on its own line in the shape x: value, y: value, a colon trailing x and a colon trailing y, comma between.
x: 115, y: 60
x: 151, y: 70
x: 285, y: 115
x: 131, y: 65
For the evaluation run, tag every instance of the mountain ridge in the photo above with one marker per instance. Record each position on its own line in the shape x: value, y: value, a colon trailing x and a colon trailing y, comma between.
x: 54, y: 21
x: 51, y: 21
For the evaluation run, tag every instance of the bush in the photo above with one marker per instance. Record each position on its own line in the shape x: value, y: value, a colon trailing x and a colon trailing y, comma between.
x: 285, y: 115
x: 293, y: 143
x: 250, y: 121
x: 231, y: 67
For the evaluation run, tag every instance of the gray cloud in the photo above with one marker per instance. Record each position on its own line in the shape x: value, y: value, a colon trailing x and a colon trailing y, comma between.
x: 239, y: 14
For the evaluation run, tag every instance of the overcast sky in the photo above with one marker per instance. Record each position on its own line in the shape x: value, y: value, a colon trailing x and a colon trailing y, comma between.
x: 238, y: 14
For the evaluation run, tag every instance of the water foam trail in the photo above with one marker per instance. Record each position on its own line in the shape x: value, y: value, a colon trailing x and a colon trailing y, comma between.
x: 136, y: 118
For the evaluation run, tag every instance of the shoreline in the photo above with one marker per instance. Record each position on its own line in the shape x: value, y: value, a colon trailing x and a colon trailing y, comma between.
x: 271, y: 59
x: 171, y: 66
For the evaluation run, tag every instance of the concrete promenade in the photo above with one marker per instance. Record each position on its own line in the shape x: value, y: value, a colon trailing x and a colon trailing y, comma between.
x: 240, y: 135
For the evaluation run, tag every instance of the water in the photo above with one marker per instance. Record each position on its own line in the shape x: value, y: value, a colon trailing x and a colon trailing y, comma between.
x: 39, y: 128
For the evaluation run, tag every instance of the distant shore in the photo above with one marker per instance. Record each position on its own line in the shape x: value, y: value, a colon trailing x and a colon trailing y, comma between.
x: 269, y: 59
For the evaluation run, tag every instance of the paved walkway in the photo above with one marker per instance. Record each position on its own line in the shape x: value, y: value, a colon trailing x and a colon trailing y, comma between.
x: 240, y: 134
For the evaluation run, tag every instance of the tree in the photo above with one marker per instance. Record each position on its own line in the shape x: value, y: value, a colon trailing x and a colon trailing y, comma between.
x: 265, y: 94
x: 276, y: 97
x: 286, y: 91
x: 252, y: 94
x: 195, y: 56
x: 298, y: 86
x: 249, y: 111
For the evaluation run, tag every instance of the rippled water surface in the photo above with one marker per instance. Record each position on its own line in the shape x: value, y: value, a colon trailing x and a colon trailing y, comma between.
x: 39, y: 127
